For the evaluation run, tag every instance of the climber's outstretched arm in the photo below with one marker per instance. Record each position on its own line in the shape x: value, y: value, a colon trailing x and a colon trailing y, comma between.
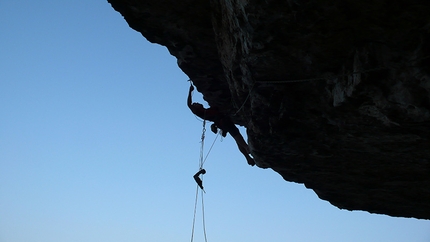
x: 189, y: 100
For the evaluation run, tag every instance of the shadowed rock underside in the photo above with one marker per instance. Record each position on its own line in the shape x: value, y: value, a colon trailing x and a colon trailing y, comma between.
x: 334, y: 94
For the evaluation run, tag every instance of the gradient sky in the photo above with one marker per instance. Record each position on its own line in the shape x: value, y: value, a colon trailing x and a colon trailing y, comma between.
x: 97, y: 144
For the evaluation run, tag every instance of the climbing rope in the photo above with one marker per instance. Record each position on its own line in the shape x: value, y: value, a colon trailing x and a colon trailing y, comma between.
x: 246, y: 99
x: 344, y: 75
x: 194, y: 217
x: 202, y: 145
x: 200, y: 184
x: 325, y: 78
x: 304, y: 80
x: 211, y: 147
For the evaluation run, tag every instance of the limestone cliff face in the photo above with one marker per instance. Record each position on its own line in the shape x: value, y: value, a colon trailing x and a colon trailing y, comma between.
x: 334, y: 94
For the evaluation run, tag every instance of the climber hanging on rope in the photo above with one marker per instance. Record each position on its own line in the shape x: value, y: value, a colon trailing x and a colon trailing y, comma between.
x: 222, y: 122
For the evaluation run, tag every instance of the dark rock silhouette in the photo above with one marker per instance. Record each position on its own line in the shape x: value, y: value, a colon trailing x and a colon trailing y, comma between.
x: 334, y: 94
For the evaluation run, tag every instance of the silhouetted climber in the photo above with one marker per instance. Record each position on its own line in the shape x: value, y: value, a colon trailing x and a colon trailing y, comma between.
x: 197, y: 178
x: 222, y: 122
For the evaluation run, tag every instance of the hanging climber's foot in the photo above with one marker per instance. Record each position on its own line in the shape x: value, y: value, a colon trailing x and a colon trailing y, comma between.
x: 251, y: 161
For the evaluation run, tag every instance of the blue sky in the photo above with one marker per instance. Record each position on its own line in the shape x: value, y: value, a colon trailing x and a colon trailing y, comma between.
x: 97, y: 144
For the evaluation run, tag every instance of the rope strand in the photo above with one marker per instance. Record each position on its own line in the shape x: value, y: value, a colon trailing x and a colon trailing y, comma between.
x: 324, y: 78
x: 344, y: 75
x: 210, y: 149
x: 202, y: 146
x: 203, y: 218
x: 246, y: 99
x: 201, y: 162
x: 194, y: 217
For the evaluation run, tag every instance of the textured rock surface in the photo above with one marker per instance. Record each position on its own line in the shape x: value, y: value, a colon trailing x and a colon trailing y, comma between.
x: 334, y: 94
